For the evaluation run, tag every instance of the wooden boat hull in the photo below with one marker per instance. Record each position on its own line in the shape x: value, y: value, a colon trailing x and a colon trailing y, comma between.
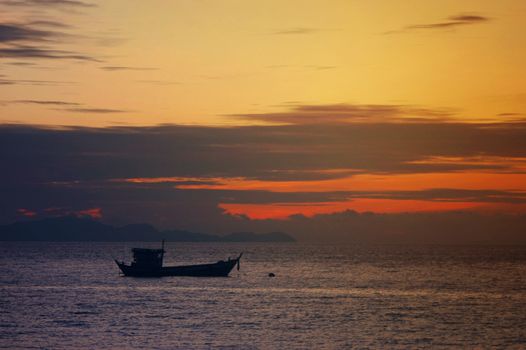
x: 218, y: 269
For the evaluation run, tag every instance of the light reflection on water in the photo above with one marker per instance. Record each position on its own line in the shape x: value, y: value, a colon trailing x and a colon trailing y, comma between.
x: 69, y: 295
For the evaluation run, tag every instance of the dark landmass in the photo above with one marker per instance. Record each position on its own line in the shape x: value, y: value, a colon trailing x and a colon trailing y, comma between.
x: 254, y: 237
x: 75, y: 229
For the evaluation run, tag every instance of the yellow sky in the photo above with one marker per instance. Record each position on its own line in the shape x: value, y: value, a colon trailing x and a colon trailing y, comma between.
x: 216, y: 58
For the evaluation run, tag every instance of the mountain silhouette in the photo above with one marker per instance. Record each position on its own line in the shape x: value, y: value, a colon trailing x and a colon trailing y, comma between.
x: 261, y: 237
x: 73, y: 228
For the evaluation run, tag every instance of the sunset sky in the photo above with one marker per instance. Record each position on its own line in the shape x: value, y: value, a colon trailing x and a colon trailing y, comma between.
x: 250, y: 115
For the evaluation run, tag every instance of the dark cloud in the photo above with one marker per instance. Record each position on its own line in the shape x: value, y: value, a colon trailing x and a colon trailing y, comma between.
x: 452, y: 22
x: 30, y: 41
x: 40, y: 34
x: 291, y: 152
x: 17, y: 32
x: 76, y: 168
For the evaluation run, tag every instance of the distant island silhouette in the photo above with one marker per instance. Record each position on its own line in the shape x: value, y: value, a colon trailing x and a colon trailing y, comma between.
x: 85, y: 229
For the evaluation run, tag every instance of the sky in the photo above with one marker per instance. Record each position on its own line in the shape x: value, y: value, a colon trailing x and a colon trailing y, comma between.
x: 332, y: 120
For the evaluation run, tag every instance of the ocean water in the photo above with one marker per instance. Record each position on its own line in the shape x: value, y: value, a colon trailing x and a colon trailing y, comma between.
x: 70, y: 295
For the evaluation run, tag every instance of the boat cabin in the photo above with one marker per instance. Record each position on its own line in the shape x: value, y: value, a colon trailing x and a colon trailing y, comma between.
x: 147, y: 258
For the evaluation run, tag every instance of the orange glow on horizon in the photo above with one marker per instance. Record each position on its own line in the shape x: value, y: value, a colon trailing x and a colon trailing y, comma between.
x: 361, y: 205
x: 95, y: 213
x: 26, y: 212
x: 360, y: 182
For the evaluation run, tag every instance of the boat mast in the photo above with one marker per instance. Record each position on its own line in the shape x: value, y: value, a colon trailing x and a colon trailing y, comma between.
x: 162, y: 252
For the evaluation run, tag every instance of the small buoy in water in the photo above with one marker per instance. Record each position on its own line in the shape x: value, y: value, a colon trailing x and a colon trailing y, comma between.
x: 271, y: 275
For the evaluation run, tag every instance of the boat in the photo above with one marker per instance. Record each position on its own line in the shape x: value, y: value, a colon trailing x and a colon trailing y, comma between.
x: 149, y: 263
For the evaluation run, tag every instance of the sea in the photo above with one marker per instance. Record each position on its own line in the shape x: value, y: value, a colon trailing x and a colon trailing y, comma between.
x: 71, y: 296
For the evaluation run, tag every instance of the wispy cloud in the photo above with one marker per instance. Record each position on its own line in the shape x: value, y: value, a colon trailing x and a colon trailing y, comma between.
x: 20, y: 64
x: 510, y: 115
x: 315, y: 67
x: 69, y: 106
x: 348, y: 113
x: 127, y: 68
x: 50, y: 24
x: 34, y: 52
x: 296, y: 31
x: 159, y: 82
x: 38, y: 34
x: 46, y: 102
x: 468, y: 18
x: 449, y: 23
x: 320, y: 67
x: 59, y: 3
x: 95, y: 110
x: 7, y: 81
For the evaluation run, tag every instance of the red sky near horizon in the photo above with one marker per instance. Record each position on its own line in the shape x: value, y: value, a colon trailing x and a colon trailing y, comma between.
x: 366, y: 183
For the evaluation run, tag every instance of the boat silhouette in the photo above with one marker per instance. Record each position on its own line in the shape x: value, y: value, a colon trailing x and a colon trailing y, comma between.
x: 149, y: 263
